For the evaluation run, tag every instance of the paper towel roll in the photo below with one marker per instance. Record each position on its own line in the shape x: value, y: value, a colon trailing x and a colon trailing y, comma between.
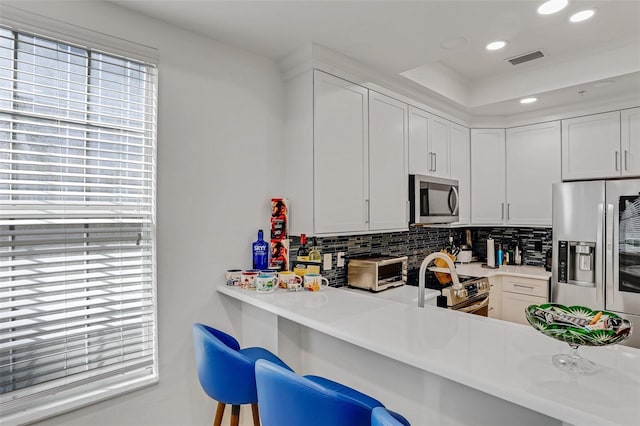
x: 491, y: 253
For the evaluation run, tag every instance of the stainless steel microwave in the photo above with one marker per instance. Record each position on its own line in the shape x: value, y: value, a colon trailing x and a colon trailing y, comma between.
x: 432, y: 200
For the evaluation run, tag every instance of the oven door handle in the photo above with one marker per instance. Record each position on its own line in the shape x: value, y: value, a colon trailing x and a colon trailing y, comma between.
x: 475, y: 306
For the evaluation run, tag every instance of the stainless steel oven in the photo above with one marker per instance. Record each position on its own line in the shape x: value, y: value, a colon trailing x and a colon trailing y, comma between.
x: 472, y: 298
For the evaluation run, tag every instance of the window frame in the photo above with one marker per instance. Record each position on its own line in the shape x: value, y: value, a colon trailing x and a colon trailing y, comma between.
x: 94, y: 389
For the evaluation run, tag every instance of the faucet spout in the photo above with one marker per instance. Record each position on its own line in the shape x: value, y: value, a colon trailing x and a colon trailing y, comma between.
x: 423, y: 269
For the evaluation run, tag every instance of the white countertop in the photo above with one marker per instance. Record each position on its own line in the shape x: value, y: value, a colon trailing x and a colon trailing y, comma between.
x: 404, y: 294
x: 475, y: 269
x: 503, y: 359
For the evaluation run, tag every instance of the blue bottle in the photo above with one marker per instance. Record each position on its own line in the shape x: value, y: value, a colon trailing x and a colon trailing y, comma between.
x: 260, y: 253
x: 500, y: 255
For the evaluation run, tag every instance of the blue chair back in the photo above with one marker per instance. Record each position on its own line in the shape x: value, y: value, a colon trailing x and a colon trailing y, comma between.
x: 225, y: 374
x: 289, y: 399
x: 380, y: 416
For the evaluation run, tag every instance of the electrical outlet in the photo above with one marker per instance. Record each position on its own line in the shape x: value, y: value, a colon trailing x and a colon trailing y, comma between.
x: 328, y: 260
x: 340, y: 263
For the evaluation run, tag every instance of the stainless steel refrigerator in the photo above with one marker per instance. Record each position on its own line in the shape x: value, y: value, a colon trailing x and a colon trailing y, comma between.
x: 596, y: 247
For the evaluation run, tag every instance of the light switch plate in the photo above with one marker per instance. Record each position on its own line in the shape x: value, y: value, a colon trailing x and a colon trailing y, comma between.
x: 328, y: 260
x: 340, y: 262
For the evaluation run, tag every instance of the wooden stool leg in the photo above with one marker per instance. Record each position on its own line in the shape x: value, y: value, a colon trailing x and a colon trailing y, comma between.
x: 256, y: 415
x: 219, y: 413
x: 235, y: 415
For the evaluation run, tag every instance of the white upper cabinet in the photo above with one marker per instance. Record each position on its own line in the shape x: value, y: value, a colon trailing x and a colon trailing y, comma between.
x: 487, y: 176
x: 428, y: 144
x: 532, y: 166
x: 340, y: 156
x: 461, y: 169
x: 345, y: 157
x: 419, y: 153
x: 439, y: 144
x: 591, y: 147
x: 388, y: 174
x: 630, y: 141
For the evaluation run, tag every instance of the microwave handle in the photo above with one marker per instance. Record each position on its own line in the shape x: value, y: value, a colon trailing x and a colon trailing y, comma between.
x: 454, y: 208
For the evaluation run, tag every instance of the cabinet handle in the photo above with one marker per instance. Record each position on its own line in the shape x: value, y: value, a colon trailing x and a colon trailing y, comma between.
x: 508, y: 204
x: 431, y: 161
x: 617, y: 161
x: 407, y: 208
x: 366, y: 211
x: 626, y: 154
x: 523, y: 286
x: 502, y: 210
x: 435, y: 161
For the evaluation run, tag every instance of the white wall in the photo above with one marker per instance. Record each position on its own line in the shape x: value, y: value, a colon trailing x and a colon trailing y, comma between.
x: 219, y: 139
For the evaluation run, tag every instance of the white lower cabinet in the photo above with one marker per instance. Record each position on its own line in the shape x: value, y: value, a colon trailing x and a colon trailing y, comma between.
x: 520, y: 293
x: 495, y: 297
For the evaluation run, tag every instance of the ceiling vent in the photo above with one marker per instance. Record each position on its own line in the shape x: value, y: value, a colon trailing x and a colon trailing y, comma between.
x: 517, y: 60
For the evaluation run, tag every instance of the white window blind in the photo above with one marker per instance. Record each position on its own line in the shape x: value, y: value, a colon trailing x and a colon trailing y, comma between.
x: 77, y: 220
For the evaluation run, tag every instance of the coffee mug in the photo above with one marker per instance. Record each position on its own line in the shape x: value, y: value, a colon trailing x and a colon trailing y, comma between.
x: 248, y: 280
x: 233, y: 276
x: 266, y: 283
x: 290, y: 280
x: 315, y: 282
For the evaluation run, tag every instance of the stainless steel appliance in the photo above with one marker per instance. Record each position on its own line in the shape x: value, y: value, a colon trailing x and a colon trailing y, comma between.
x: 377, y: 273
x: 596, y: 247
x: 472, y: 298
x: 432, y: 200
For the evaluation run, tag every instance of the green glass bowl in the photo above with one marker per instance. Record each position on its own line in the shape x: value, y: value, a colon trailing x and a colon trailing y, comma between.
x: 576, y: 335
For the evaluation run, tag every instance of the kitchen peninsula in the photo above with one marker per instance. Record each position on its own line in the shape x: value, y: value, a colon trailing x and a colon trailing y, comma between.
x: 434, y: 365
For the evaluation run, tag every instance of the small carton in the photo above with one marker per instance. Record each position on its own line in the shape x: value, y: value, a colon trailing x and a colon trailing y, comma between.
x: 279, y: 255
x: 279, y: 218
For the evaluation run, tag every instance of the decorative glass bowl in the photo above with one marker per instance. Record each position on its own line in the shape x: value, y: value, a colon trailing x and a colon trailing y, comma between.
x: 577, y: 326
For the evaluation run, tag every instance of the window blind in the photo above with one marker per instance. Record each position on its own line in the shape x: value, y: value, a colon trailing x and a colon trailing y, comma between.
x: 77, y: 218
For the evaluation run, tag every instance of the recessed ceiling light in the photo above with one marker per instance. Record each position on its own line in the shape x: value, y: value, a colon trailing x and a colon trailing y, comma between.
x: 496, y: 45
x: 583, y: 15
x: 528, y: 100
x: 552, y: 6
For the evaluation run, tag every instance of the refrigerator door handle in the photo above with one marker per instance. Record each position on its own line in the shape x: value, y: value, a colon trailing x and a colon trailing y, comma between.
x: 609, y: 272
x: 600, y: 270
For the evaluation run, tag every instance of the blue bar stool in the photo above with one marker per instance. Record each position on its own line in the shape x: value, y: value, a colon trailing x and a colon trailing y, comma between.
x: 382, y: 417
x: 227, y: 373
x: 287, y: 399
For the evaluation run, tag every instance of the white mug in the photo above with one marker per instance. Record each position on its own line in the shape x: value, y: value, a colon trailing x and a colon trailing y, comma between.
x: 266, y: 283
x: 315, y: 282
x: 290, y: 280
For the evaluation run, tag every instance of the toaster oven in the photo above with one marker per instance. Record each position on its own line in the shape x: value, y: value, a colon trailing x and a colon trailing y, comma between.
x: 377, y: 273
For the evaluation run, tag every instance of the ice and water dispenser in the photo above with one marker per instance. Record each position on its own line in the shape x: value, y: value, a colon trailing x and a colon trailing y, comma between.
x: 576, y: 262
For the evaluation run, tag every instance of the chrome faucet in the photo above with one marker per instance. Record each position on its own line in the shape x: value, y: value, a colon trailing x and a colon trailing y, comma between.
x: 423, y: 269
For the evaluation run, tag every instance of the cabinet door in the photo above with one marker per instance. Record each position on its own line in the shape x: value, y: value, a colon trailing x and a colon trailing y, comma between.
x: 419, y: 154
x: 387, y: 163
x: 533, y: 165
x: 461, y: 169
x: 591, y: 146
x: 487, y: 176
x: 439, y: 143
x: 630, y: 135
x: 340, y: 155
x: 514, y: 305
x: 495, y: 297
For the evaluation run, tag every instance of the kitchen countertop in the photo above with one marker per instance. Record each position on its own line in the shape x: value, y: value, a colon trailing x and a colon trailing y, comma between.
x: 404, y: 294
x: 507, y: 360
x: 475, y: 269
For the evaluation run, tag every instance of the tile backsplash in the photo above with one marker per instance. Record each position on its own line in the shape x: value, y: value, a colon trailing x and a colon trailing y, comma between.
x: 418, y: 242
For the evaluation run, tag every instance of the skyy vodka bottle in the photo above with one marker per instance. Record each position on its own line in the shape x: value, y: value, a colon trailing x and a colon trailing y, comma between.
x: 260, y: 252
